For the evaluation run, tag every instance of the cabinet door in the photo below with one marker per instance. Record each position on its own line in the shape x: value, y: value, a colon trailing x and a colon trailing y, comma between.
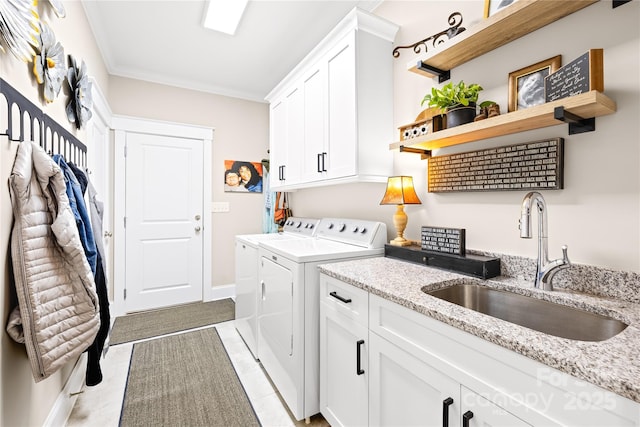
x: 406, y: 391
x: 478, y: 411
x: 341, y: 109
x: 295, y: 135
x: 343, y: 369
x: 278, y: 141
x: 314, y: 157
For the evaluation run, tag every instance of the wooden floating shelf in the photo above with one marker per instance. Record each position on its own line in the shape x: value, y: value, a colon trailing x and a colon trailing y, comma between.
x: 514, y: 21
x: 586, y: 105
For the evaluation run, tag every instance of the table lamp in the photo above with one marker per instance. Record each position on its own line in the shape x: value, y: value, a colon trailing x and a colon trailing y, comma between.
x: 400, y: 192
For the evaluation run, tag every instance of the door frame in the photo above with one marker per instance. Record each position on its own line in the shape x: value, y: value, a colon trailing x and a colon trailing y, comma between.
x: 121, y: 125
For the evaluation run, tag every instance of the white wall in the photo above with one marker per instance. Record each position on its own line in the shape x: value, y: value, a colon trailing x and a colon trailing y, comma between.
x: 22, y: 401
x: 597, y: 214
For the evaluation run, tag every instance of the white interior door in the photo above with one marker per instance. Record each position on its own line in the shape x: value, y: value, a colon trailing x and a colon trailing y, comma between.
x: 163, y: 225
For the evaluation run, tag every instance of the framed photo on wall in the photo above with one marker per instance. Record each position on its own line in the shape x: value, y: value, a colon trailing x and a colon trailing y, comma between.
x: 241, y: 176
x: 526, y: 85
x: 492, y: 6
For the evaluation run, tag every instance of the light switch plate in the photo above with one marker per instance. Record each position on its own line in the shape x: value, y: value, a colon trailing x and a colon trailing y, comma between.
x: 217, y: 207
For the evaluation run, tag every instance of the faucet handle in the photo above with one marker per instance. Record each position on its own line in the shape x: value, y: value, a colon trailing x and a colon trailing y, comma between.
x: 565, y: 257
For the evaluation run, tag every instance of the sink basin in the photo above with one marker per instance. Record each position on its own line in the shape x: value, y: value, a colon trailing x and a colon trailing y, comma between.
x: 542, y: 316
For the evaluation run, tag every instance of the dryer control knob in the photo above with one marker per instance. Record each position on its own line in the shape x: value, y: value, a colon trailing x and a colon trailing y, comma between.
x: 342, y: 227
x: 355, y: 229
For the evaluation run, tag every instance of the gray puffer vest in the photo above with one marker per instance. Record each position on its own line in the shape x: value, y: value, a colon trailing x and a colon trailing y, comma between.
x: 57, y: 316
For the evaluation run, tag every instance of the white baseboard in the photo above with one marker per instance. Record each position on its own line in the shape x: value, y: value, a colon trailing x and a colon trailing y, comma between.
x: 63, y: 405
x: 221, y: 292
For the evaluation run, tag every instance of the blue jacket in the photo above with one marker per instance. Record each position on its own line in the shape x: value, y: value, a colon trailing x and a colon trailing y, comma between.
x: 79, y: 209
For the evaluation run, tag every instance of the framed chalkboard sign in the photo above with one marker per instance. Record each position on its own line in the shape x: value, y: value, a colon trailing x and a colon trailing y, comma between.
x: 581, y: 75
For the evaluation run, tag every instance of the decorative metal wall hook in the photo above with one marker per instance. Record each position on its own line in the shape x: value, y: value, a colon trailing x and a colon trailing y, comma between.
x: 436, y: 39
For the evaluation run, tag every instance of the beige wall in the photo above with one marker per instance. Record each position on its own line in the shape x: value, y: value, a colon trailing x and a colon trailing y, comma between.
x: 241, y: 133
x: 597, y: 214
x: 23, y: 402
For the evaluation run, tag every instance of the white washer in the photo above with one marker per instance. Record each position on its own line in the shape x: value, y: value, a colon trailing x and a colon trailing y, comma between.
x: 247, y: 285
x: 289, y: 308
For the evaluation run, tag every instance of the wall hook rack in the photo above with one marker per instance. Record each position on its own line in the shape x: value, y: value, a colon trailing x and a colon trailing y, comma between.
x: 576, y: 123
x: 25, y: 121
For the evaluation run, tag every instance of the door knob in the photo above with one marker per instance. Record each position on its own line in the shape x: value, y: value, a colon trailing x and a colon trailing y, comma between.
x: 108, y: 234
x: 198, y: 229
x: 197, y: 217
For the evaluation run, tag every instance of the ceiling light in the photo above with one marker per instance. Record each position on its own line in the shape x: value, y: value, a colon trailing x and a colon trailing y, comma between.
x: 224, y: 15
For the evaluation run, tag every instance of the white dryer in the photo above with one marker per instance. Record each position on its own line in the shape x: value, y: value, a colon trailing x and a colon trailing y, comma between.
x: 246, y: 274
x: 289, y: 307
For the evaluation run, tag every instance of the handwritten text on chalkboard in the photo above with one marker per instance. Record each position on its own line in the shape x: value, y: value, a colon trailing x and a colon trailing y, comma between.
x: 579, y: 76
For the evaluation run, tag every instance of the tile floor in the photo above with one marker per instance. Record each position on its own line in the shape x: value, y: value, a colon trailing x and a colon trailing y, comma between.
x: 100, y: 405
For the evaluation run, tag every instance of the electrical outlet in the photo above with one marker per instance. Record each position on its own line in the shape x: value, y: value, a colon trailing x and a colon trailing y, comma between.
x: 218, y: 207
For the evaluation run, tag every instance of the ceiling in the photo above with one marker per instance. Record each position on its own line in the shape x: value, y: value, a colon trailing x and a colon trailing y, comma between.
x: 165, y: 42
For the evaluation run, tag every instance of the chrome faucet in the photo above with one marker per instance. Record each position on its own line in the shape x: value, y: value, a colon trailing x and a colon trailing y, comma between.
x: 545, y: 269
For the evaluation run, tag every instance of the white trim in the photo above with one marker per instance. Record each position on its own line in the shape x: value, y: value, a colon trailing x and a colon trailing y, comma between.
x: 160, y: 127
x: 67, y: 397
x: 221, y: 292
x: 119, y: 255
x: 207, y: 256
x: 121, y: 125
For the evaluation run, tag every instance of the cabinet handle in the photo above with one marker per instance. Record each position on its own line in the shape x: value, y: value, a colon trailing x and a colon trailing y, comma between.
x: 338, y: 297
x: 466, y: 417
x: 262, y: 289
x: 319, y: 168
x: 324, y: 158
x: 282, y: 172
x: 445, y: 411
x: 359, y: 370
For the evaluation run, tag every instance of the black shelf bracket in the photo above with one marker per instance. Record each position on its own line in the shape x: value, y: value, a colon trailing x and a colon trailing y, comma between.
x: 424, y: 154
x: 616, y: 3
x: 576, y: 123
x: 443, y: 75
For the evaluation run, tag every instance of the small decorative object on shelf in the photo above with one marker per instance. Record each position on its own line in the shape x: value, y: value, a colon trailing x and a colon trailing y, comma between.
x: 457, y: 100
x: 81, y: 102
x: 428, y: 121
x: 581, y: 75
x: 487, y: 110
x: 48, y: 65
x: 526, y: 85
x: 491, y: 7
x: 438, y: 38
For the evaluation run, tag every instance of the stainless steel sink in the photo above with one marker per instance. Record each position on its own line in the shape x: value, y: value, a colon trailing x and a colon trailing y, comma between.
x: 543, y: 316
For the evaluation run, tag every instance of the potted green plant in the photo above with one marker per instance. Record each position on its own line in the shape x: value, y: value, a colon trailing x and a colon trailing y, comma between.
x: 458, y: 101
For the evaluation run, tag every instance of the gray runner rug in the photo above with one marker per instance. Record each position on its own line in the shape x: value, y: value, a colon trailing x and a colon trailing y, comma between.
x: 184, y: 380
x: 168, y: 320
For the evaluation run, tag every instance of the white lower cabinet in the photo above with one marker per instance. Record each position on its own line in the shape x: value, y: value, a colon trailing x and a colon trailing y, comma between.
x: 405, y: 391
x: 344, y: 369
x: 419, y: 371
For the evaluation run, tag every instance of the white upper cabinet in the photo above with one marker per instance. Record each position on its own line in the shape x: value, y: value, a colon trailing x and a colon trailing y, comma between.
x: 341, y: 118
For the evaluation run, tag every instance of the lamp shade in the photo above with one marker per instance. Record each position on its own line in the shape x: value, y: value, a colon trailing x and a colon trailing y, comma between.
x: 400, y: 191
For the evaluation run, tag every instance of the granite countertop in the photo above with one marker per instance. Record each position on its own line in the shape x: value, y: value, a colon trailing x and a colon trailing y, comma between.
x: 612, y: 364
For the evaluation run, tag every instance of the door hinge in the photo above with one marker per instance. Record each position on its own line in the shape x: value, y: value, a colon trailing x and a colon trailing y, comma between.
x: 125, y: 221
x: 125, y: 293
x: 125, y: 151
